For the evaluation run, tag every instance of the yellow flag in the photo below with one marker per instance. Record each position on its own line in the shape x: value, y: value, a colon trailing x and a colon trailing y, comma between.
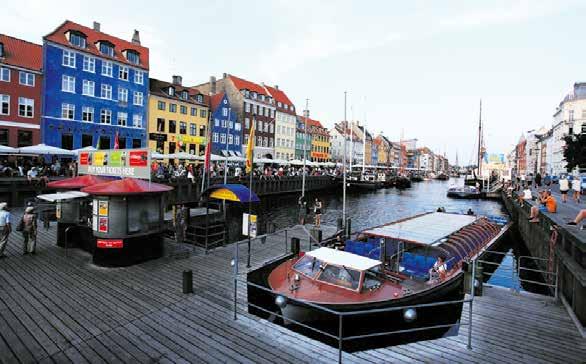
x: 249, y: 149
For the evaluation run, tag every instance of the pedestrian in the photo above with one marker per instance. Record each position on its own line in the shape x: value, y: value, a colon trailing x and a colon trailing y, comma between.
x: 303, y: 210
x: 538, y: 180
x: 5, y: 227
x: 28, y: 227
x: 564, y: 188
x: 547, y: 180
x: 317, y: 209
x: 576, y: 188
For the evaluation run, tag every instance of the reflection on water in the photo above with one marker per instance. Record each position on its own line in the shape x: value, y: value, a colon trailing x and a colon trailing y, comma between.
x: 373, y: 208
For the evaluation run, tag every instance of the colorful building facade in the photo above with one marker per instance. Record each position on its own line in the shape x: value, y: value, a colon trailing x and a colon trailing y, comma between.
x: 226, y: 129
x: 302, y: 140
x: 285, y: 124
x: 320, y: 141
x: 20, y: 92
x: 95, y: 89
x: 178, y: 118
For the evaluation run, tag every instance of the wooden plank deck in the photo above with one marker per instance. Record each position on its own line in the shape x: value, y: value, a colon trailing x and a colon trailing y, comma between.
x: 58, y: 308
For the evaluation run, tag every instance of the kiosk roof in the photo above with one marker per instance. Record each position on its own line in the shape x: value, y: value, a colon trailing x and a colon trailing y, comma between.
x: 79, y: 182
x: 126, y: 186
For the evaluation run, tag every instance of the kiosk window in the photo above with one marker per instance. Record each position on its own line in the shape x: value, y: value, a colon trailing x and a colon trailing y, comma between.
x: 143, y: 215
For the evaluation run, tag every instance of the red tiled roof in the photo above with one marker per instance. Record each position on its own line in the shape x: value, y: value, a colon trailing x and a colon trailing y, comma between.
x: 21, y: 53
x: 280, y: 96
x: 240, y: 84
x: 215, y: 100
x: 58, y: 36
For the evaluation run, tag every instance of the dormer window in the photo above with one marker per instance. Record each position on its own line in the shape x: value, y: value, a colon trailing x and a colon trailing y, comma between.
x: 171, y: 91
x: 184, y: 95
x: 77, y: 39
x: 199, y: 98
x: 132, y: 56
x: 106, y: 48
x: 292, y: 108
x: 262, y: 97
x: 254, y: 95
x: 286, y: 107
x: 1, y: 50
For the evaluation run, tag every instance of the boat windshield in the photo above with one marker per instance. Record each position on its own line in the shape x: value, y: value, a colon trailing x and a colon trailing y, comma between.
x: 308, y: 266
x: 371, y: 279
x: 340, y: 276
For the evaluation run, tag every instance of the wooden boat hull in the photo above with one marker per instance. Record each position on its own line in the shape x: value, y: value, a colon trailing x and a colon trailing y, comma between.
x: 463, y: 195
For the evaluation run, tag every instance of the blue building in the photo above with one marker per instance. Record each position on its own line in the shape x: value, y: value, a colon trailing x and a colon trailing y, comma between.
x: 95, y: 87
x: 226, y: 129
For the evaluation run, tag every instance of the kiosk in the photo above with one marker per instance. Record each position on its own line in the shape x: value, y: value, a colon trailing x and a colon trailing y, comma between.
x: 127, y: 221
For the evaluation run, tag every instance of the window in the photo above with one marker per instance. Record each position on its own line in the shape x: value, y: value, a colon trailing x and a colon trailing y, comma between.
x: 202, y: 130
x: 171, y: 91
x: 138, y: 98
x: 259, y: 141
x: 77, y: 39
x: 67, y: 141
x: 161, y: 105
x: 4, y: 75
x: 138, y: 77
x: 160, y: 125
x: 107, y: 68
x: 137, y: 121
x: 68, y: 58
x: 230, y: 138
x: 173, y: 107
x: 136, y: 143
x: 4, y: 136
x: 123, y: 73
x: 183, y: 109
x: 26, y: 107
x: 132, y: 57
x: 202, y: 113
x: 172, y: 126
x: 246, y: 107
x: 215, y: 137
x: 89, y: 64
x: 230, y: 125
x: 199, y: 98
x: 184, y: 96
x: 247, y: 123
x: 122, y: 94
x: 121, y: 142
x: 217, y: 123
x: 89, y: 88
x: 87, y: 140
x: 87, y: 114
x: 340, y: 276
x: 571, y: 116
x: 223, y: 138
x: 24, y: 138
x: 68, y: 83
x: 255, y: 109
x: 261, y: 110
x: 182, y: 127
x: 106, y: 92
x: 265, y: 142
x: 193, y: 111
x: 267, y: 112
x: 192, y: 129
x: 106, y: 117
x: 122, y: 119
x: 26, y: 78
x: 104, y: 142
x: 4, y: 104
x: 223, y: 123
x: 259, y: 125
x: 107, y: 49
x: 237, y: 126
x: 224, y: 111
x: 237, y: 140
x: 68, y: 111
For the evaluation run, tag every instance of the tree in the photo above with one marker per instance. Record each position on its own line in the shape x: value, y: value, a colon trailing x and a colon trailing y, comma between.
x: 575, y: 152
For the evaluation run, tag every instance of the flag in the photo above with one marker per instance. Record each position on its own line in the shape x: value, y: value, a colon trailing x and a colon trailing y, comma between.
x: 249, y: 149
x: 208, y: 153
x: 98, y: 143
x: 116, y: 142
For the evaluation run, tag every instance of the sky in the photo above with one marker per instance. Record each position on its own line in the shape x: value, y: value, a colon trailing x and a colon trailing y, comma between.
x: 415, y: 69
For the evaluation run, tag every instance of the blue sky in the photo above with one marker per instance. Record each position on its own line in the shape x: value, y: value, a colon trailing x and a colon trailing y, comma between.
x: 417, y: 67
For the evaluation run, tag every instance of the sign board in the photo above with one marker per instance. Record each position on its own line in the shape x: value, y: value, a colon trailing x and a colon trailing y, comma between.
x: 116, y: 162
x: 253, y: 227
x: 110, y: 243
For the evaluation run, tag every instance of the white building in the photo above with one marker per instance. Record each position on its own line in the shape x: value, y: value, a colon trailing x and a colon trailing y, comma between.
x: 532, y: 150
x: 285, y: 124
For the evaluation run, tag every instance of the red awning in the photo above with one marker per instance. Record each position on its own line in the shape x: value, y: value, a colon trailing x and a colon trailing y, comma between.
x: 78, y: 182
x: 127, y: 186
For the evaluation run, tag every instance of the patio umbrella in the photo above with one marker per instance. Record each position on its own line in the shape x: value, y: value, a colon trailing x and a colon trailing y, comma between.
x: 43, y: 149
x: 7, y: 150
x: 84, y: 149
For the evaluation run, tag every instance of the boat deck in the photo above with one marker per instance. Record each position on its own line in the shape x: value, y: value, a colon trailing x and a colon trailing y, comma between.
x: 59, y: 308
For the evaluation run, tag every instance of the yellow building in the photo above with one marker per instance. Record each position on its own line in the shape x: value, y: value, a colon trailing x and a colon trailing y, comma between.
x: 178, y: 118
x: 320, y: 142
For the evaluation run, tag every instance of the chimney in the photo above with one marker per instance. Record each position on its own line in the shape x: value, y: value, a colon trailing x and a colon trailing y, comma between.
x: 97, y: 26
x: 177, y: 80
x: 276, y: 87
x: 136, y: 37
x: 225, y: 75
x: 212, y: 85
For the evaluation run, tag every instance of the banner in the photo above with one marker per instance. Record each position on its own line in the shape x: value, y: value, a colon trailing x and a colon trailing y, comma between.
x: 119, y: 162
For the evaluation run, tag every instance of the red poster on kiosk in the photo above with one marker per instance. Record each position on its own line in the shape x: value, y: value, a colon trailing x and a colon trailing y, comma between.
x: 110, y: 243
x: 84, y: 158
x: 139, y: 158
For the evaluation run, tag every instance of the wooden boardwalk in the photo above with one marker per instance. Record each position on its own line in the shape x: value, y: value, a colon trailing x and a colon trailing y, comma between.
x: 58, y: 308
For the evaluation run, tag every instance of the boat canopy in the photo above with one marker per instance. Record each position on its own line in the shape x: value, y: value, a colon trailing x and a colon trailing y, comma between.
x: 423, y: 229
x: 342, y: 258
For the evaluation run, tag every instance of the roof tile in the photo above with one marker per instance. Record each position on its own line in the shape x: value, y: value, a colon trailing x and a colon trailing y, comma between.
x: 21, y: 53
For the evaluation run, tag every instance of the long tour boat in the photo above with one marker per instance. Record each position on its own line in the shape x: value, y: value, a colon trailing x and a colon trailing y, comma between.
x: 403, y: 264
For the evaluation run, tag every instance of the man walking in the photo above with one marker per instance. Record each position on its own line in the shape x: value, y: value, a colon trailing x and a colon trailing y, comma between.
x: 5, y: 228
x: 29, y: 231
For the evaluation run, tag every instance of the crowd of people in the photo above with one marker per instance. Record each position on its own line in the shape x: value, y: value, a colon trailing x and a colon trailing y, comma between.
x: 37, y: 170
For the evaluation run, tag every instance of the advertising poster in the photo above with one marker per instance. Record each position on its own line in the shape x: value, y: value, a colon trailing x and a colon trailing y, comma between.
x: 99, y: 159
x: 103, y: 224
x: 103, y: 208
x: 117, y: 159
x: 110, y: 243
x: 139, y: 158
x: 116, y: 162
x: 253, y: 229
x: 83, y: 158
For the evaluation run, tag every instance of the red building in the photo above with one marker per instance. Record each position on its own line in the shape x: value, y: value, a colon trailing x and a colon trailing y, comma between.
x: 21, y: 81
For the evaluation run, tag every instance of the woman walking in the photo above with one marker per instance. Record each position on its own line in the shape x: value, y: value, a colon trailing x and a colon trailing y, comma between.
x: 29, y: 231
x: 564, y: 187
x: 317, y: 208
x: 576, y: 188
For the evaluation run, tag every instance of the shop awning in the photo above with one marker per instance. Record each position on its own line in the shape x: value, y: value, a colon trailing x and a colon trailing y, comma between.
x: 231, y: 192
x: 62, y: 196
x: 126, y: 186
x: 79, y: 182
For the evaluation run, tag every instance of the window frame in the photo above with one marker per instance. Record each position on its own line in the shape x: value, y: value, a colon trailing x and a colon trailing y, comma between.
x: 137, y: 95
x: 69, y: 56
x: 104, y: 89
x: 87, y: 110
x: 67, y: 80
x: 107, y: 65
x: 4, y: 102
x: 24, y: 101
x: 137, y: 121
x: 123, y: 70
x: 4, y: 71
x: 69, y: 108
x: 139, y: 77
x: 122, y: 92
x: 104, y: 115
x: 93, y: 88
x: 26, y: 74
x: 87, y: 61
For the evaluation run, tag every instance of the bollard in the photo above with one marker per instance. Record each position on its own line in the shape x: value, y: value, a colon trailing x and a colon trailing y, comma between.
x: 295, y: 246
x: 187, y: 281
x: 340, y: 224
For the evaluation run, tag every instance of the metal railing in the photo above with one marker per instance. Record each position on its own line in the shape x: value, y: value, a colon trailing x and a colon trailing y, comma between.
x: 514, y: 272
x: 340, y: 338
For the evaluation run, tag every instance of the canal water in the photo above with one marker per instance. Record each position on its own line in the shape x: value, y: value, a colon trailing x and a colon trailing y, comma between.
x: 378, y: 207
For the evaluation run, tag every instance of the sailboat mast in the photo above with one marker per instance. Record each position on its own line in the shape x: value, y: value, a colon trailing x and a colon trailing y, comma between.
x: 480, y: 142
x: 344, y: 166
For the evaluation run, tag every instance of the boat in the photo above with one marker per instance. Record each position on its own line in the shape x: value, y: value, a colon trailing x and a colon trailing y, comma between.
x: 402, y: 182
x: 416, y: 178
x: 442, y: 177
x: 385, y: 180
x: 363, y: 182
x: 464, y: 192
x: 381, y: 268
